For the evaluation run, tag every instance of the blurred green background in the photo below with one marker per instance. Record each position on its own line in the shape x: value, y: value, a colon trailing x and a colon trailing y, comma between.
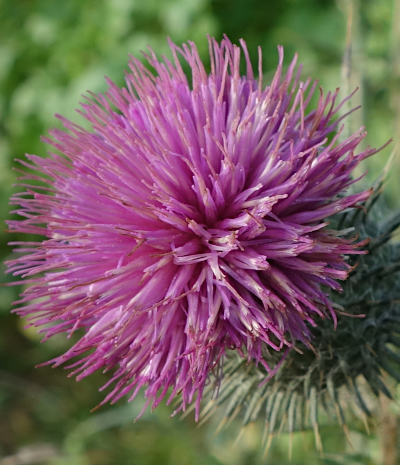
x: 51, y: 52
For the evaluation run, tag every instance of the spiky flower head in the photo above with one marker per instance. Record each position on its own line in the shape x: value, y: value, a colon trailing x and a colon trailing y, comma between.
x: 347, y: 366
x: 188, y: 220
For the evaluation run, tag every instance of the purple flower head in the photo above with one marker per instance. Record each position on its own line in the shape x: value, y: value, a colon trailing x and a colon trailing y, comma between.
x: 189, y: 220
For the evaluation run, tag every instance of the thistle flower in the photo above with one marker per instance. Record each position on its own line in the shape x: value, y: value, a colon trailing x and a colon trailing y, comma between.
x: 189, y: 220
x: 344, y: 367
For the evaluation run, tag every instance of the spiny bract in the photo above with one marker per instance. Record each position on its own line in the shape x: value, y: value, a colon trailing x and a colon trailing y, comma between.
x: 355, y: 355
x: 189, y: 220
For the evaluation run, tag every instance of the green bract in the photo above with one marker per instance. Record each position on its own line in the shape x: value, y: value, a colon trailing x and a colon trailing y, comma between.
x: 342, y: 366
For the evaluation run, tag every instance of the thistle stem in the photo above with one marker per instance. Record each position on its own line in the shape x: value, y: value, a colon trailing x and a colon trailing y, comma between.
x: 388, y: 432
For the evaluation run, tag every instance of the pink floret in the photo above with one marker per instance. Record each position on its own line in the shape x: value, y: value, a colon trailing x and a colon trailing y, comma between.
x: 188, y: 221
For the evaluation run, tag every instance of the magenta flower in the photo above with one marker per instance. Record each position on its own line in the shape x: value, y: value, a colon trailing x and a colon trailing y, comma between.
x: 188, y: 221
